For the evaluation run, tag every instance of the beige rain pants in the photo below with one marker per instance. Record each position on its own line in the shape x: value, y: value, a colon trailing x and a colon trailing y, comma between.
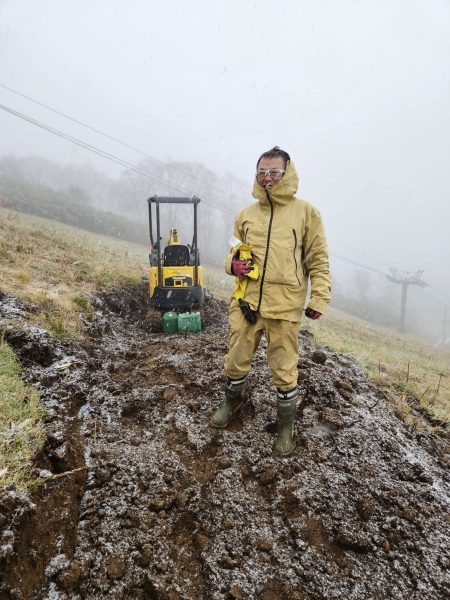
x: 282, y: 347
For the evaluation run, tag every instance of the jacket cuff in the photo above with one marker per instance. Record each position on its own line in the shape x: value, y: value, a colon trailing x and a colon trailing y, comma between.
x: 318, y: 305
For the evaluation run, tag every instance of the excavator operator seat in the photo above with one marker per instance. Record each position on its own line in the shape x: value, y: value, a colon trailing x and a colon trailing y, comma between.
x: 176, y: 255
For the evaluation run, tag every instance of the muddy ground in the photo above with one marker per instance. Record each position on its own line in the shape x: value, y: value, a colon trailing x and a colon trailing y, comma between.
x: 164, y: 507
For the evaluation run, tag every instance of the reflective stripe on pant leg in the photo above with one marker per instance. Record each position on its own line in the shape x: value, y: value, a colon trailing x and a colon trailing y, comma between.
x: 287, y: 394
x: 244, y: 341
x: 282, y: 352
x: 236, y: 382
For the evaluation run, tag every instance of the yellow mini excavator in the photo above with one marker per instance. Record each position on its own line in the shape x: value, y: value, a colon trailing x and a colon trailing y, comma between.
x: 176, y: 283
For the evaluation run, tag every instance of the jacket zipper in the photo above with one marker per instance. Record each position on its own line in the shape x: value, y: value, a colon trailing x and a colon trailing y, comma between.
x: 245, y: 235
x: 267, y: 251
x: 295, y: 248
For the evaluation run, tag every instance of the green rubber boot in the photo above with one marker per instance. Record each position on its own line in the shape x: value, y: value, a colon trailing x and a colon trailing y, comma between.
x: 286, y: 412
x: 234, y: 397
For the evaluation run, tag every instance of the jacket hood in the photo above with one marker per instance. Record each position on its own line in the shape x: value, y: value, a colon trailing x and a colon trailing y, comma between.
x: 282, y: 192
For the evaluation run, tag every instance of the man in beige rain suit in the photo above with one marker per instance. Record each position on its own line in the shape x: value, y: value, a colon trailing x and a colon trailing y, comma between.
x: 287, y: 243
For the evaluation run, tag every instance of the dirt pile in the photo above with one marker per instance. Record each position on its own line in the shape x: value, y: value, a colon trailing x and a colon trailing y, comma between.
x: 168, y: 508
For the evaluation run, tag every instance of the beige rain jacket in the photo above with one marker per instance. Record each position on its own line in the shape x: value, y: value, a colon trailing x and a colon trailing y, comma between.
x: 288, y: 246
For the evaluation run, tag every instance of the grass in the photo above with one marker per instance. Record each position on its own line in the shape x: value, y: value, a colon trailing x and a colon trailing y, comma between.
x: 22, y: 432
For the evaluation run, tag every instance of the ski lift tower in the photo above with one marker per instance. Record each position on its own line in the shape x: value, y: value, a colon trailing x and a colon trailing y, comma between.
x: 405, y: 278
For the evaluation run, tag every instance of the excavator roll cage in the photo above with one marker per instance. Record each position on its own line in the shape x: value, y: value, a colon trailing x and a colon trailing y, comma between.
x: 167, y: 291
x: 172, y: 255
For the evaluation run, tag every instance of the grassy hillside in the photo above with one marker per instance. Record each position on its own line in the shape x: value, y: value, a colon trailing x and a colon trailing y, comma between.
x: 54, y: 265
x: 42, y: 201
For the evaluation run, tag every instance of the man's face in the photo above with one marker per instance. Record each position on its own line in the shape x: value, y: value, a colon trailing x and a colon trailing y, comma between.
x: 265, y: 179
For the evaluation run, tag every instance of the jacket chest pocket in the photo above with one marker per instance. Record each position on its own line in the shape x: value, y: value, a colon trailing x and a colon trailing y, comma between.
x: 284, y: 264
x: 255, y: 235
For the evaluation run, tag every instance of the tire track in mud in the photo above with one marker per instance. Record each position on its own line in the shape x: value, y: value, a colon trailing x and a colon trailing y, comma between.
x: 172, y: 509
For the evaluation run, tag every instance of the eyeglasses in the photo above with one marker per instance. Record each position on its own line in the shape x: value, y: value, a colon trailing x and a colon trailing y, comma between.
x: 274, y: 173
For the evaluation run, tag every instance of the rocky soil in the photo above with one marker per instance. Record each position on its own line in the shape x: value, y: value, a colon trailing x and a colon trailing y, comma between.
x: 161, y: 506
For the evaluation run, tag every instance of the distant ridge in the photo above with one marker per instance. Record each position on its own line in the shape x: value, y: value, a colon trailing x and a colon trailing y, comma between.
x: 42, y: 201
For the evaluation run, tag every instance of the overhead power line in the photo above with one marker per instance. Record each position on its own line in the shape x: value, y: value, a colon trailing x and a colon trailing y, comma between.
x: 433, y: 298
x: 358, y: 264
x: 358, y: 252
x: 111, y: 157
x: 118, y: 141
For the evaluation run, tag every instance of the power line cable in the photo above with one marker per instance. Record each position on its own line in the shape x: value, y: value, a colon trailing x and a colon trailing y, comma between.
x: 85, y: 145
x: 360, y: 253
x: 139, y: 170
x: 433, y: 298
x: 353, y: 262
x: 447, y: 299
x: 117, y: 140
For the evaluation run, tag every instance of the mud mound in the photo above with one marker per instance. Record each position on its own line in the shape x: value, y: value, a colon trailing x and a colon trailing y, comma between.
x: 173, y: 509
x: 11, y: 307
x: 33, y: 345
x: 132, y: 303
x: 214, y: 311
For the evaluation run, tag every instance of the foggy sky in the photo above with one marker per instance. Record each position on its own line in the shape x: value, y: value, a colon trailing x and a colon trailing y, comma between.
x: 357, y: 91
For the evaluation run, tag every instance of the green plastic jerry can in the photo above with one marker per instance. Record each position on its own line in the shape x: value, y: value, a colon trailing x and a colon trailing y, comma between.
x: 170, y: 322
x: 189, y: 322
